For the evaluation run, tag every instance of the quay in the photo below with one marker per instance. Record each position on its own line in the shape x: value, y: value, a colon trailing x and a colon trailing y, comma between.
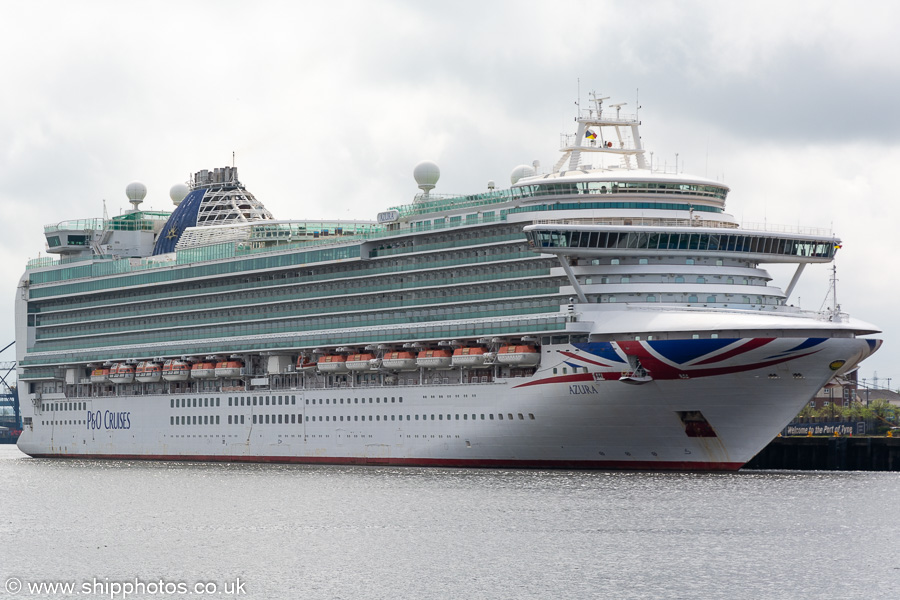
x: 829, y: 454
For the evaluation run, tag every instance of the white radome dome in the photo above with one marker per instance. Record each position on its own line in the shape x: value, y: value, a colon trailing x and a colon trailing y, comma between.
x: 177, y: 193
x: 136, y: 191
x: 520, y: 172
x: 427, y: 174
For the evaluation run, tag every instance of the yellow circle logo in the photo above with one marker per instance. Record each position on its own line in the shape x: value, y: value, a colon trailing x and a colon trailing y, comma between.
x: 835, y: 365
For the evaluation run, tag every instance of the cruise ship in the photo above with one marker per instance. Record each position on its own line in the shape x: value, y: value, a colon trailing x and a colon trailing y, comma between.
x: 605, y: 313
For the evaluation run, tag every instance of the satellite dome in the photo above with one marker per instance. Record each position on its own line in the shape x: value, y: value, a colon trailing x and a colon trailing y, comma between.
x: 177, y: 193
x: 136, y: 191
x: 520, y: 172
x: 427, y: 174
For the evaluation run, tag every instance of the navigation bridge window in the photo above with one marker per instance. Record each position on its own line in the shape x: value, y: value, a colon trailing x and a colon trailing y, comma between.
x: 748, y: 244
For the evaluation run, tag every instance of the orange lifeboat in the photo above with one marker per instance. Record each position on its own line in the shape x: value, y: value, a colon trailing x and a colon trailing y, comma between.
x: 229, y: 368
x: 434, y: 359
x: 100, y: 375
x: 468, y: 357
x: 148, y: 371
x: 176, y: 370
x: 121, y: 373
x: 333, y: 363
x: 520, y: 356
x: 399, y: 361
x: 203, y: 370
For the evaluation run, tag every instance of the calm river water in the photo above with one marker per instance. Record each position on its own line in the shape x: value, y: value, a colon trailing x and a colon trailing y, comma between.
x: 122, y: 529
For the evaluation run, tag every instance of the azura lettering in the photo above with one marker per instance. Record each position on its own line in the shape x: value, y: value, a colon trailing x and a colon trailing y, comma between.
x: 108, y: 420
x: 582, y: 389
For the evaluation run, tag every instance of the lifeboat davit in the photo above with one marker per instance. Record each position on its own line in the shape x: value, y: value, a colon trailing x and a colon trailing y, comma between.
x: 434, y: 359
x: 100, y: 375
x: 520, y: 356
x: 121, y: 373
x: 468, y: 357
x: 360, y: 362
x: 399, y: 361
x: 176, y: 370
x: 305, y: 364
x: 203, y: 370
x: 333, y: 363
x: 229, y: 368
x: 148, y: 371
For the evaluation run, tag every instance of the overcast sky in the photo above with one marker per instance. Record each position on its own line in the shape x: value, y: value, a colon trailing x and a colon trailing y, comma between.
x: 329, y: 106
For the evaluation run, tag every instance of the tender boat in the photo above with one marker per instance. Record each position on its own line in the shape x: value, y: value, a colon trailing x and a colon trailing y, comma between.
x: 100, y: 375
x: 360, y: 362
x: 520, y: 356
x: 229, y: 368
x: 468, y: 357
x: 399, y: 361
x: 333, y: 363
x: 434, y: 359
x: 203, y: 370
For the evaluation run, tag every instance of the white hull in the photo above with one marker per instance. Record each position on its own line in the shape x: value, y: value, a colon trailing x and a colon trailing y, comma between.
x: 583, y: 420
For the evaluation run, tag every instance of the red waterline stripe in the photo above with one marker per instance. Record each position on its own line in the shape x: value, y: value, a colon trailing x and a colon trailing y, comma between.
x: 623, y: 465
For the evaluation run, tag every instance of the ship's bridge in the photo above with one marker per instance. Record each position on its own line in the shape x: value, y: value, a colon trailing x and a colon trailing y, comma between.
x: 578, y: 239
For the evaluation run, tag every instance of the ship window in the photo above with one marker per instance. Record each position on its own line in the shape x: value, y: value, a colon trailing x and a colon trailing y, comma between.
x: 701, y: 280
x: 440, y: 417
x: 679, y: 279
x: 491, y: 417
x: 710, y: 298
x: 307, y: 400
x: 417, y: 417
x: 242, y: 419
x: 696, y: 336
x: 254, y: 400
x: 229, y: 401
x: 194, y: 420
x: 521, y: 418
x: 217, y: 419
x: 692, y: 298
x: 229, y: 419
x: 267, y: 400
x: 614, y: 261
x: 294, y: 400
x: 466, y: 417
x: 531, y: 416
x: 254, y: 419
x: 432, y: 417
x: 689, y: 261
x: 554, y: 370
x: 171, y: 420
x: 279, y: 419
x: 643, y: 261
